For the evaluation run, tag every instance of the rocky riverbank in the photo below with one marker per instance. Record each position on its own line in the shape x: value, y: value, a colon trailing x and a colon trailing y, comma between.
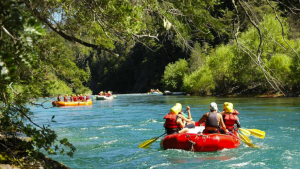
x: 14, y: 155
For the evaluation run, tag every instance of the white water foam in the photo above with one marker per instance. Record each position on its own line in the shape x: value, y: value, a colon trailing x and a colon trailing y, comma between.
x: 109, y: 142
x: 159, y: 165
x: 240, y: 164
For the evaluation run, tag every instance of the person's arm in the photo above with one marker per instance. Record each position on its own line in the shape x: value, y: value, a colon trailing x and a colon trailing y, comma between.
x: 238, y: 124
x: 179, y: 121
x: 184, y: 118
x: 203, y: 118
x: 189, y: 112
x: 222, y: 123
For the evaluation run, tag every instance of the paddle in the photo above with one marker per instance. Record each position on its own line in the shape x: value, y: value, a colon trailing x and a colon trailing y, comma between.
x: 147, y: 143
x: 249, y: 144
x: 245, y: 138
x: 255, y: 132
x: 245, y: 132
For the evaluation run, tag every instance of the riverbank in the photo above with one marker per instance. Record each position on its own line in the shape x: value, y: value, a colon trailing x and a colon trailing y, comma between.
x: 14, y: 154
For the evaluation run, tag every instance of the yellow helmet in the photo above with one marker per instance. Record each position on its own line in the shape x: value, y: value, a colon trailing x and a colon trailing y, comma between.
x: 174, y: 110
x: 228, y: 107
x: 179, y: 106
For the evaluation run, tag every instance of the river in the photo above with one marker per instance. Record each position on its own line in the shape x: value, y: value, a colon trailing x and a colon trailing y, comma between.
x: 107, y: 134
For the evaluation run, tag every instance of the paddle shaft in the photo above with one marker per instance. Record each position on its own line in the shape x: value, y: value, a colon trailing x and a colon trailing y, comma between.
x: 162, y: 134
x: 147, y: 143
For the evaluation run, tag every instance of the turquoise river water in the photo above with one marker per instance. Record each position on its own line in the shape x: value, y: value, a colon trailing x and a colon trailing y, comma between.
x: 107, y: 134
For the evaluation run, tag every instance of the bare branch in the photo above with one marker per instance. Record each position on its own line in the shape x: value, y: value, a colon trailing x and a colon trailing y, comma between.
x: 282, y: 29
x: 141, y: 36
x: 259, y: 50
x: 8, y: 33
x: 276, y: 84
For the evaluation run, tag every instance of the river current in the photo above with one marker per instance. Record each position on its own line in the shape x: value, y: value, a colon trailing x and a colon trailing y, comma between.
x: 107, y: 134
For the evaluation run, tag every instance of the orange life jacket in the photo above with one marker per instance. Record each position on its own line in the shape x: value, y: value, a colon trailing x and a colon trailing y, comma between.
x: 171, y: 121
x: 230, y: 119
x: 171, y: 125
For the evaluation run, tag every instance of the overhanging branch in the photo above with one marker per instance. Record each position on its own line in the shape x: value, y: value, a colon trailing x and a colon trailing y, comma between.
x: 63, y: 34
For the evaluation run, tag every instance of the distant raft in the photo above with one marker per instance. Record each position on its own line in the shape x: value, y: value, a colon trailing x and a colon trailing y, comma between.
x: 200, y: 142
x: 104, y: 97
x: 81, y: 103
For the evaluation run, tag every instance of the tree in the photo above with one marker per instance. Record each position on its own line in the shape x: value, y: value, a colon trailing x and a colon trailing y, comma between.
x: 21, y: 73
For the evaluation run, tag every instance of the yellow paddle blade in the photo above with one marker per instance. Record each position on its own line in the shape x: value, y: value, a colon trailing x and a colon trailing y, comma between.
x: 245, y: 132
x: 251, y: 145
x: 245, y: 138
x: 248, y: 143
x: 147, y: 143
x: 257, y: 133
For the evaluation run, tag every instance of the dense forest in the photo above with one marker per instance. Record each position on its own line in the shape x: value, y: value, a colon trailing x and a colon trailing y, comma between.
x: 202, y: 47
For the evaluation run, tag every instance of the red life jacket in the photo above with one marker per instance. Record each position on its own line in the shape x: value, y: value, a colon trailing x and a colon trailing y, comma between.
x: 80, y: 97
x: 230, y: 119
x: 171, y: 121
x: 65, y: 98
x: 87, y: 97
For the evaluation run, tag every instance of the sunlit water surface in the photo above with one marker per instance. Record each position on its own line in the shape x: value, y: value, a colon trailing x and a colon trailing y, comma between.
x: 107, y: 134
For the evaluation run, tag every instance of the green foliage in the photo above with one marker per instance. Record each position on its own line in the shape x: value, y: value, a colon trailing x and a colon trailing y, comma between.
x: 60, y: 57
x: 199, y: 82
x: 23, y: 79
x: 55, y: 87
x: 198, y: 56
x: 280, y: 66
x: 174, y: 74
x: 227, y: 69
x: 83, y: 90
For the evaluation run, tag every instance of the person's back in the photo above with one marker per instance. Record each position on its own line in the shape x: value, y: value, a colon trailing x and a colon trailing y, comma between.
x: 173, y: 123
x: 230, y: 117
x: 59, y: 97
x: 87, y: 97
x: 212, y: 120
x: 81, y: 97
x: 75, y: 98
x: 66, y: 98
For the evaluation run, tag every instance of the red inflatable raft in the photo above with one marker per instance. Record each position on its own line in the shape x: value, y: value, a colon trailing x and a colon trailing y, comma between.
x: 199, y: 142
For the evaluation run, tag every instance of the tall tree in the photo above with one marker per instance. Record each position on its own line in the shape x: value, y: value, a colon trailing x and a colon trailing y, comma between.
x: 21, y: 82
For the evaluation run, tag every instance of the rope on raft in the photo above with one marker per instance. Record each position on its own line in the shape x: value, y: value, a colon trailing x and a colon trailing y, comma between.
x: 192, y: 143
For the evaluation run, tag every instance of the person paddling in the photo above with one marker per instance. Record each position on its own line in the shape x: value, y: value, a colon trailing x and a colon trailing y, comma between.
x: 230, y: 117
x: 81, y: 97
x: 213, y: 120
x: 186, y: 119
x: 173, y: 123
x: 66, y: 98
x: 87, y: 97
